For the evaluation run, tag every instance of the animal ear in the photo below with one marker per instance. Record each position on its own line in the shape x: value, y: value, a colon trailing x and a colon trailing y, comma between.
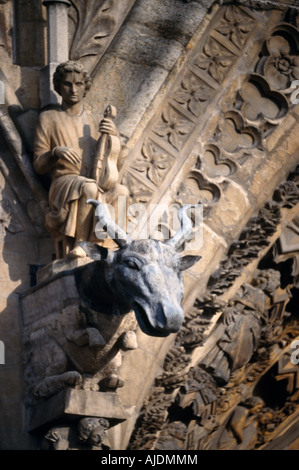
x: 188, y: 261
x: 94, y: 251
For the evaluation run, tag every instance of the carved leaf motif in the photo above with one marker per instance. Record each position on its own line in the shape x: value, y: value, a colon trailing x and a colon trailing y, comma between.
x: 215, y: 59
x: 94, y: 21
x: 154, y: 163
x: 236, y: 25
x: 173, y: 126
x: 281, y: 67
x: 192, y: 93
x: 138, y: 193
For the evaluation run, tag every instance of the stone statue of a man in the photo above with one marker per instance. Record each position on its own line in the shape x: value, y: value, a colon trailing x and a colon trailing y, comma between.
x: 65, y: 147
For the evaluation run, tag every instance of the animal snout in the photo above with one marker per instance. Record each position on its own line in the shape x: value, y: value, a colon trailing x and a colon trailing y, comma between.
x: 169, y: 317
x: 159, y: 318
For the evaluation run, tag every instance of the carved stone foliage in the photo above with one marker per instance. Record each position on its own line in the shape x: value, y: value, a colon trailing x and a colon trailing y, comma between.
x: 246, y: 118
x: 155, y: 162
x: 206, y: 405
x: 252, y: 240
x: 193, y: 93
x: 280, y: 65
x: 153, y: 415
x: 93, y: 23
x: 235, y: 27
x: 138, y: 193
x: 206, y: 70
x: 92, y: 26
x: 260, y: 394
x: 174, y: 127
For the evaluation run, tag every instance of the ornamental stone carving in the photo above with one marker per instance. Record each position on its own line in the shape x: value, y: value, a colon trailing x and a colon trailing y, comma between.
x: 69, y: 147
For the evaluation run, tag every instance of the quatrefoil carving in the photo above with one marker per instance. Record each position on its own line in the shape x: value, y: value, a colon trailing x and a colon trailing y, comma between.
x: 233, y: 135
x: 260, y: 102
x: 198, y: 190
x: 214, y: 164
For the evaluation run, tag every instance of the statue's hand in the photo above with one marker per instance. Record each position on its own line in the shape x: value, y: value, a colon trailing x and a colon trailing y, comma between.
x: 107, y: 126
x: 67, y: 153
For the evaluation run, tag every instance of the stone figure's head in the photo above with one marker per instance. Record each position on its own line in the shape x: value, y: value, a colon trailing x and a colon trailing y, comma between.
x: 254, y: 404
x: 93, y: 431
x: 71, y: 81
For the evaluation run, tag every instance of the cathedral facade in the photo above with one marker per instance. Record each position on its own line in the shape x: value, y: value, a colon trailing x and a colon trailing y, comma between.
x: 201, y: 100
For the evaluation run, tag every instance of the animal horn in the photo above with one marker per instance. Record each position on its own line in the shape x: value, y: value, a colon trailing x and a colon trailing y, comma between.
x: 186, y: 228
x: 120, y: 237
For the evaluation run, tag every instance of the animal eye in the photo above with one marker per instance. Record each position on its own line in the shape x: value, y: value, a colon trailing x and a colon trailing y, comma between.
x: 133, y: 264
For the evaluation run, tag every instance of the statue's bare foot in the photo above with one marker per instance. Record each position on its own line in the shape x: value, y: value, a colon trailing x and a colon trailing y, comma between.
x: 77, y: 252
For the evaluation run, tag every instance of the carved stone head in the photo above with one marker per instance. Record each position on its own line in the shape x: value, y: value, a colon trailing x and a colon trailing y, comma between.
x: 70, y: 67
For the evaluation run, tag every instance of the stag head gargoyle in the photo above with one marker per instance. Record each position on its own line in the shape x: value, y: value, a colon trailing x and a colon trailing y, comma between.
x: 142, y: 275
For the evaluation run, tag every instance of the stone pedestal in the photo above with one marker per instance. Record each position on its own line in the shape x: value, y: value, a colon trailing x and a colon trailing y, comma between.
x: 72, y: 354
x: 70, y: 404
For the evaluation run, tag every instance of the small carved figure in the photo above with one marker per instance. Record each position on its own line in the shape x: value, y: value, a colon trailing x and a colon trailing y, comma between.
x: 241, y: 335
x: 89, y: 434
x: 68, y: 147
x: 241, y: 431
x: 92, y: 431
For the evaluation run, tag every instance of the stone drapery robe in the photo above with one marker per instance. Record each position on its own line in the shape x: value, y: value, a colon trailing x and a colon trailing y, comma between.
x: 57, y: 128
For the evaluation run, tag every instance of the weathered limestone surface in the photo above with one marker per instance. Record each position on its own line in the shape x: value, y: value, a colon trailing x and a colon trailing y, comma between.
x: 142, y: 56
x: 19, y: 246
x: 187, y: 85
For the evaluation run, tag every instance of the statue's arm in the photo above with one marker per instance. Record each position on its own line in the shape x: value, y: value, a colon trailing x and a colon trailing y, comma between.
x: 44, y: 159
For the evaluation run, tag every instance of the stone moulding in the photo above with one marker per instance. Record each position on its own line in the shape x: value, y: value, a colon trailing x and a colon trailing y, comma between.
x: 23, y: 159
x: 172, y: 394
x: 251, y: 108
x: 197, y: 87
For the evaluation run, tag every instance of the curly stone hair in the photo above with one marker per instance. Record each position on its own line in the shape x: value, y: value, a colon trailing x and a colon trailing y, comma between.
x: 70, y: 66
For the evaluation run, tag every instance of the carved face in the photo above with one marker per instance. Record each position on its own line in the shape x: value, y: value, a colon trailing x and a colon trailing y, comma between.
x: 147, y: 275
x: 144, y: 275
x: 72, y: 87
